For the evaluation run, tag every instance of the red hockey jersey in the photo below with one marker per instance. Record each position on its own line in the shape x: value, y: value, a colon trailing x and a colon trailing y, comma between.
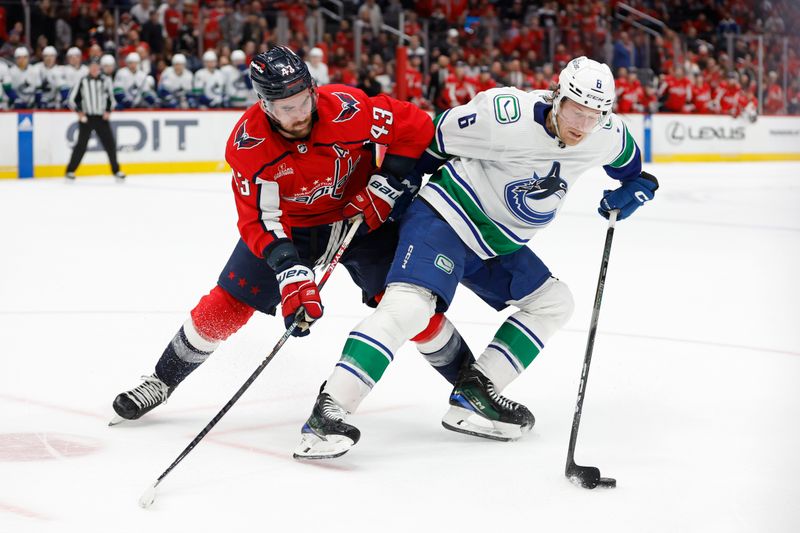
x: 281, y: 183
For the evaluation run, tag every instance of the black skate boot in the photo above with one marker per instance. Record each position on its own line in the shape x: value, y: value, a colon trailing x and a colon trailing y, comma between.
x: 477, y: 409
x: 138, y: 401
x: 325, y: 434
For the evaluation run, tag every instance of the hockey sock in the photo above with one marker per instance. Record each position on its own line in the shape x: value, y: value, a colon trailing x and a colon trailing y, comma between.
x: 442, y: 346
x: 370, y: 347
x: 522, y: 336
x: 186, y: 351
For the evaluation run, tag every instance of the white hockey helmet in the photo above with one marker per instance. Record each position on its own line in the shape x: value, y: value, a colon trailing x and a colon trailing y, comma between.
x: 179, y: 59
x: 74, y: 51
x: 210, y: 55
x: 588, y: 83
x: 133, y: 57
x: 238, y: 57
x: 21, y: 52
x: 108, y: 61
x: 49, y: 51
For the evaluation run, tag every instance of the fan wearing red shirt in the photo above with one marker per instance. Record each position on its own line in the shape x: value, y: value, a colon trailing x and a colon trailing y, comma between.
x: 702, y: 96
x: 730, y: 96
x: 630, y: 101
x: 305, y: 161
x: 676, y: 90
x: 774, y: 102
x: 173, y: 18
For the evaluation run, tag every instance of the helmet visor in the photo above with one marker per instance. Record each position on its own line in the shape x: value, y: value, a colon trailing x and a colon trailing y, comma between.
x: 579, y: 117
x: 295, y: 108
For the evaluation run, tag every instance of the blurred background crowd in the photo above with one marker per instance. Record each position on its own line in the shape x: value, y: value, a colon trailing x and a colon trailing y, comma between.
x: 678, y: 56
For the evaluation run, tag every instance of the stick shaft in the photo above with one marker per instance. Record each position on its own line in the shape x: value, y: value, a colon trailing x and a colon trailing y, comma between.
x: 587, y: 360
x: 288, y: 333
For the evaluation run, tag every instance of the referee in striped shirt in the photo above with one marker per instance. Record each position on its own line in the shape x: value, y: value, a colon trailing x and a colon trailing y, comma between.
x: 93, y: 99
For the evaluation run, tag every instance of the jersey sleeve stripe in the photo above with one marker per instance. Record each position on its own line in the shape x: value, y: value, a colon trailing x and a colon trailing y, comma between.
x: 626, y: 153
x: 269, y: 207
x: 438, y: 144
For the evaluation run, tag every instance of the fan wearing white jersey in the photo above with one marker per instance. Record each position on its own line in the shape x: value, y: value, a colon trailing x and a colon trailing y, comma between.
x: 51, y: 78
x: 209, y: 82
x: 23, y: 83
x: 502, y: 165
x: 71, y: 73
x: 175, y: 85
x: 132, y: 86
x: 238, y: 87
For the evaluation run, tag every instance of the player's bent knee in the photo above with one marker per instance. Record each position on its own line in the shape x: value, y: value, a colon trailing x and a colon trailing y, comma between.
x: 408, y: 306
x: 553, y: 301
x: 218, y: 315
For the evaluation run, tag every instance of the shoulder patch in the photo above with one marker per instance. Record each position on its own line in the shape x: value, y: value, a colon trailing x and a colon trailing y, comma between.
x: 243, y: 141
x: 349, y: 106
x: 506, y: 108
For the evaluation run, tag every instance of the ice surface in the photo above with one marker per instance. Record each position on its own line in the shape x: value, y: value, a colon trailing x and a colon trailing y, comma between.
x: 693, y: 400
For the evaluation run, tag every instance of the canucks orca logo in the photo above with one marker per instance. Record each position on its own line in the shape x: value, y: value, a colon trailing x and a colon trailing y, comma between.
x: 243, y: 141
x: 349, y: 107
x: 544, y: 193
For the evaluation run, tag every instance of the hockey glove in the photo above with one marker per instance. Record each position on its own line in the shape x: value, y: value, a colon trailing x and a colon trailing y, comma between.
x: 629, y: 196
x: 299, y: 293
x: 375, y: 201
x: 411, y: 184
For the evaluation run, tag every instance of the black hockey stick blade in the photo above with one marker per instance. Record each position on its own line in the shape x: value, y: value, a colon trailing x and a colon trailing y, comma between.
x: 588, y: 477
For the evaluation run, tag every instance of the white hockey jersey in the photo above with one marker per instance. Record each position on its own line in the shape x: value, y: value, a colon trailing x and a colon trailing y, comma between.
x: 22, y: 86
x: 173, y: 89
x: 70, y: 76
x: 3, y: 77
x: 509, y: 176
x: 238, y: 93
x: 209, y: 87
x: 133, y: 89
x: 52, y: 82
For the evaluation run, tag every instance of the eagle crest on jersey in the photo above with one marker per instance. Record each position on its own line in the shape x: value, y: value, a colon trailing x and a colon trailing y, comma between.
x: 546, y: 193
x: 243, y: 141
x: 349, y: 107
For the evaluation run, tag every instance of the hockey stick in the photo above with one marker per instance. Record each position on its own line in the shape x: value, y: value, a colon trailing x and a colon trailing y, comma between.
x: 149, y: 495
x: 588, y: 477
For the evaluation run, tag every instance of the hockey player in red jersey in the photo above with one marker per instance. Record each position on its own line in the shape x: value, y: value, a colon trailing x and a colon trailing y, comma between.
x: 303, y: 164
x: 676, y: 92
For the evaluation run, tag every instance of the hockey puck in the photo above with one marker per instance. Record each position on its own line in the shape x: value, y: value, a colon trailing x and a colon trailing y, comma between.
x: 607, y: 483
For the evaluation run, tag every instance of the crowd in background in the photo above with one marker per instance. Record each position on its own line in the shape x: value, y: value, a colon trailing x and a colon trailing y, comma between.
x: 694, y: 56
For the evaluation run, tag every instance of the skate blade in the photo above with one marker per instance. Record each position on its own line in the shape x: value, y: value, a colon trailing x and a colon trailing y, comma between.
x: 468, y: 422
x: 117, y: 420
x: 314, y: 447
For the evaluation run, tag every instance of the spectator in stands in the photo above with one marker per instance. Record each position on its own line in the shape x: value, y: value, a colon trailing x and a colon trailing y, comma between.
x: 317, y: 68
x: 773, y: 101
x: 370, y: 13
x: 153, y: 34
x: 702, y: 101
x: 171, y: 18
x: 623, y: 52
x: 141, y: 11
x: 231, y: 26
x: 675, y: 92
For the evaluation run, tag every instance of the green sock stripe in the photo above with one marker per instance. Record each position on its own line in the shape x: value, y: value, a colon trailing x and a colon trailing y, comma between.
x: 369, y: 359
x: 518, y: 343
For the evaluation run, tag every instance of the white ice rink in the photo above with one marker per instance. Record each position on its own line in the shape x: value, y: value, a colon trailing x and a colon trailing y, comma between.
x: 693, y: 401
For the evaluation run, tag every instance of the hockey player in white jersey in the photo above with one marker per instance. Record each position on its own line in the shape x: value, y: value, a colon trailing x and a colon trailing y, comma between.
x: 175, y: 84
x: 23, y: 84
x: 108, y: 66
x: 132, y: 86
x: 71, y: 73
x: 238, y: 87
x: 501, y: 167
x: 3, y: 77
x: 209, y: 82
x: 51, y: 78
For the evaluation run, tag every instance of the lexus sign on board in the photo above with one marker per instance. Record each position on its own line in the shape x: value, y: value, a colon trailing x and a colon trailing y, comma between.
x: 678, y: 132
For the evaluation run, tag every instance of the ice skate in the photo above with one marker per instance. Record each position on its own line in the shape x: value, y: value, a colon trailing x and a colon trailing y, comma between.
x: 138, y: 401
x: 326, y: 435
x: 477, y: 409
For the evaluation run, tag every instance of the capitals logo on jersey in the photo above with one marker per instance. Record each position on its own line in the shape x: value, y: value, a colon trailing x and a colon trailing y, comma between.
x: 243, y: 141
x: 535, y: 200
x: 349, y: 107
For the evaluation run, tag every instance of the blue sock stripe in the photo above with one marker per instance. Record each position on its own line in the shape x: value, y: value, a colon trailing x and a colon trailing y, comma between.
x: 368, y: 382
x: 524, y: 328
x: 378, y: 344
x: 511, y: 358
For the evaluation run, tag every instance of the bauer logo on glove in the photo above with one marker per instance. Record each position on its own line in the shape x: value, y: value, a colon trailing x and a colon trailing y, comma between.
x: 375, y: 201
